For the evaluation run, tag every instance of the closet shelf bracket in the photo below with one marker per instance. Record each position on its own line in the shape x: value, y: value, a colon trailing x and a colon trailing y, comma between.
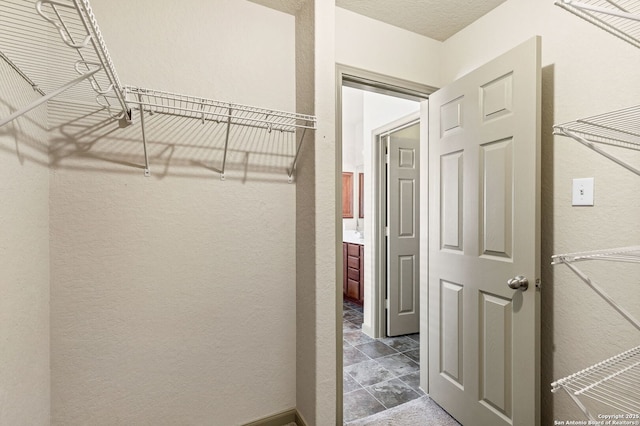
x: 48, y: 96
x: 625, y: 254
x: 619, y: 129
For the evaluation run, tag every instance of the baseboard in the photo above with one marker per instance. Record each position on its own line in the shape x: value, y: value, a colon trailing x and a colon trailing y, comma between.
x: 300, y: 420
x: 366, y: 329
x: 280, y: 419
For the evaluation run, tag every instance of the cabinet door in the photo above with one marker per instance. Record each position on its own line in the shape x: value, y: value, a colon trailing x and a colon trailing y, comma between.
x: 361, y: 297
x: 344, y: 269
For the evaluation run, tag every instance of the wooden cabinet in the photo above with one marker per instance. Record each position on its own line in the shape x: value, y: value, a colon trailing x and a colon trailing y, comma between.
x: 353, y: 272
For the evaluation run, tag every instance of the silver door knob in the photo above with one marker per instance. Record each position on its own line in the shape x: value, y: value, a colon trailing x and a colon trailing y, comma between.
x: 518, y: 282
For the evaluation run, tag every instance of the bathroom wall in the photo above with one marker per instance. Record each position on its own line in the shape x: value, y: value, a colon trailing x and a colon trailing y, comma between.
x: 24, y: 257
x: 362, y: 113
x: 586, y: 71
x: 174, y: 295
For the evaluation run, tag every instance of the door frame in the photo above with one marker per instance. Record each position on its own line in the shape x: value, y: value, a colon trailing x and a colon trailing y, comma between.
x: 380, y: 205
x: 368, y: 80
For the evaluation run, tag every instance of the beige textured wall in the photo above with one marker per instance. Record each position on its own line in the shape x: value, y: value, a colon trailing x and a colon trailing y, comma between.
x: 173, y: 296
x: 317, y: 224
x: 24, y: 258
x: 585, y: 72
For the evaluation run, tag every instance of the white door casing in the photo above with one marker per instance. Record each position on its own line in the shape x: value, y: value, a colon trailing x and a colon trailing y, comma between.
x: 484, y: 221
x: 403, y: 229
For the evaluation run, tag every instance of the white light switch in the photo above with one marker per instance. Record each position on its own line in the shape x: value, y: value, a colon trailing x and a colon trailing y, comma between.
x: 583, y: 192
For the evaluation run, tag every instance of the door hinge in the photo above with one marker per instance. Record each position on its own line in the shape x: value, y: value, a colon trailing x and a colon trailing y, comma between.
x: 386, y: 231
x: 386, y: 304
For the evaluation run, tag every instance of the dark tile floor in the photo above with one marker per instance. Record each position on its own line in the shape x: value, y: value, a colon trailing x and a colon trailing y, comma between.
x: 378, y: 373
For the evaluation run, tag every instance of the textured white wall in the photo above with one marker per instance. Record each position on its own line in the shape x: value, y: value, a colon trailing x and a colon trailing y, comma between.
x: 364, y: 43
x: 317, y: 221
x: 173, y: 296
x: 585, y: 72
x: 24, y: 258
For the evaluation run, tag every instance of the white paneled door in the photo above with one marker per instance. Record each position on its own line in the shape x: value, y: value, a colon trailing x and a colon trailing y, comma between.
x: 403, y: 230
x: 484, y: 195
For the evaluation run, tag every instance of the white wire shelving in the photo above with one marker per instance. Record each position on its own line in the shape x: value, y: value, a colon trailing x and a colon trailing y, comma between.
x: 149, y: 101
x: 615, y: 382
x: 617, y: 128
x: 58, y: 48
x: 618, y: 17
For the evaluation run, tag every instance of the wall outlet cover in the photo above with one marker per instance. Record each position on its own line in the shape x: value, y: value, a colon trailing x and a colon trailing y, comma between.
x: 582, y: 193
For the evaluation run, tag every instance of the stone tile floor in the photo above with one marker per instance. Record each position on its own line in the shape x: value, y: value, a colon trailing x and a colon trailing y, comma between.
x: 378, y: 374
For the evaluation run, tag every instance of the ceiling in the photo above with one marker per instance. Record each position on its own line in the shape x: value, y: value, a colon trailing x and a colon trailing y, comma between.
x: 436, y: 19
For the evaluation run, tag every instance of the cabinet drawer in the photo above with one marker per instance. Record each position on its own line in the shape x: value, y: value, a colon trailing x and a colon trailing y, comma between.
x: 353, y: 262
x: 353, y: 289
x: 353, y: 250
x: 353, y: 274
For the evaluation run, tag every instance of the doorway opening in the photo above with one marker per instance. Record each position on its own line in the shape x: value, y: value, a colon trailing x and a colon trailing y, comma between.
x: 379, y: 372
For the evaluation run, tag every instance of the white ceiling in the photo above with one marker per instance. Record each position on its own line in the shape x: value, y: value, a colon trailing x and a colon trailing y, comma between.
x: 437, y: 19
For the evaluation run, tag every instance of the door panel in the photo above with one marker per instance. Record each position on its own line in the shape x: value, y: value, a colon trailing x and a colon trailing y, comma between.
x: 451, y: 171
x: 451, y: 332
x: 496, y: 194
x: 495, y: 353
x: 484, y: 143
x: 403, y: 314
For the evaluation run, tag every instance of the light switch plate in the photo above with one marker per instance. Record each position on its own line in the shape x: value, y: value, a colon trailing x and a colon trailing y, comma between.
x: 582, y: 192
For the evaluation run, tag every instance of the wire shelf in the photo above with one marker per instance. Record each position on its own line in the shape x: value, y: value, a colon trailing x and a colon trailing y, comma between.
x: 625, y: 254
x: 613, y: 383
x: 156, y: 101
x: 618, y: 17
x: 619, y: 129
x: 49, y: 42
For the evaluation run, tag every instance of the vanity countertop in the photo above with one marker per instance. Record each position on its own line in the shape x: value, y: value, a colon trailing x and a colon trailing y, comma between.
x: 352, y: 236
